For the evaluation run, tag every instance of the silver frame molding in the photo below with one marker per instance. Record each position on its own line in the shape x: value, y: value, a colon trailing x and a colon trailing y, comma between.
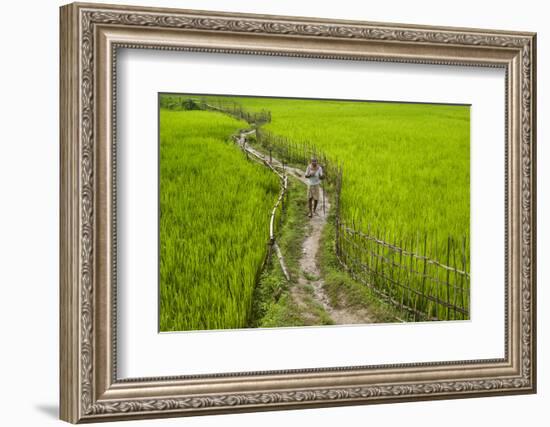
x: 90, y: 37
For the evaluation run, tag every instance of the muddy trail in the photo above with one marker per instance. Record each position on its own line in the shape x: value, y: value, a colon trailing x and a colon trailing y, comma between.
x: 309, y: 286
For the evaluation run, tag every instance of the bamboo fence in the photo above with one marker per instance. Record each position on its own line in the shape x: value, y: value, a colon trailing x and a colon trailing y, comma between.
x: 400, y: 271
x: 275, y: 220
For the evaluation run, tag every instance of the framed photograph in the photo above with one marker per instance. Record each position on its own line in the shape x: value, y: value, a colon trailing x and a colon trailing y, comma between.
x: 267, y: 212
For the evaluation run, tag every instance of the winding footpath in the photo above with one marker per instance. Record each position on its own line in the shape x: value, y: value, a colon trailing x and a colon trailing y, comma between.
x: 310, y: 275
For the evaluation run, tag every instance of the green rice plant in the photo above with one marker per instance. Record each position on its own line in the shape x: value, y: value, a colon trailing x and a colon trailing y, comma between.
x: 214, y: 222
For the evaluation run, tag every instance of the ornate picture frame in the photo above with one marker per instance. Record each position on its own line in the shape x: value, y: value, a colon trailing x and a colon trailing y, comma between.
x: 90, y: 37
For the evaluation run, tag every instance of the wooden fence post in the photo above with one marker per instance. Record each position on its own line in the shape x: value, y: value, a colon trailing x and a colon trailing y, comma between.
x: 448, y: 273
x: 424, y: 269
x: 464, y: 270
x: 399, y: 280
x: 437, y: 282
x: 411, y: 269
x: 455, y: 292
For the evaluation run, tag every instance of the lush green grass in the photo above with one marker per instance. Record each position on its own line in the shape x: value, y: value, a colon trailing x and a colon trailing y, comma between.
x: 406, y: 166
x: 214, y: 222
x: 406, y: 181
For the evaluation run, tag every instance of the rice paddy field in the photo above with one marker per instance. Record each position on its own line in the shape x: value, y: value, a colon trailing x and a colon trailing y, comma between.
x: 406, y: 166
x: 214, y: 221
x: 406, y: 185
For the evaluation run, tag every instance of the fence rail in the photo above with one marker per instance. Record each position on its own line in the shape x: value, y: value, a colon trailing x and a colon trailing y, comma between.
x: 301, y: 152
x: 234, y: 109
x: 405, y: 252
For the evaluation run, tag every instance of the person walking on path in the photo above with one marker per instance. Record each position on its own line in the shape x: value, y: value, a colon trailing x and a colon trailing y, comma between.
x: 314, y: 175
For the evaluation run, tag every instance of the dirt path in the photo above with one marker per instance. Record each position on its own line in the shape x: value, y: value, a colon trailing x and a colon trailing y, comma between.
x: 310, y: 283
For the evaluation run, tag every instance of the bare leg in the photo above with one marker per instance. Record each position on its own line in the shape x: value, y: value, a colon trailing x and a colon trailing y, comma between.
x: 315, y: 205
x: 309, y: 202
